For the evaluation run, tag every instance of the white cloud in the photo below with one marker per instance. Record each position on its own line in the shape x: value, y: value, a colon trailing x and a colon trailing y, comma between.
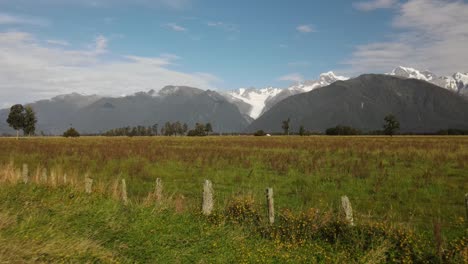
x: 375, y: 4
x: 305, y: 28
x: 292, y: 77
x: 9, y: 19
x: 58, y: 42
x: 175, y: 27
x: 32, y: 71
x: 433, y: 34
x: 224, y: 26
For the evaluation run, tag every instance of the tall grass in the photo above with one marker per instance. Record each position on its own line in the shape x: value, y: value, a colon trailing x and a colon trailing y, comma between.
x: 404, y: 182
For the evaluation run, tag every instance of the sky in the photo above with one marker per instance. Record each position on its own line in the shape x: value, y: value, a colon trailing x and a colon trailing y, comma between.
x: 119, y: 47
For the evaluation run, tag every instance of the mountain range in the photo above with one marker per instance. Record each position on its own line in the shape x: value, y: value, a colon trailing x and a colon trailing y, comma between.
x: 254, y: 102
x: 93, y: 114
x: 457, y: 83
x: 251, y: 108
x: 363, y: 102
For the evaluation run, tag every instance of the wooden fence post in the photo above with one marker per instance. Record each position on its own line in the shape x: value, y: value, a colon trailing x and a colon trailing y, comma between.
x: 124, y: 192
x: 270, y: 205
x: 158, y: 189
x: 207, y: 207
x: 25, y: 173
x: 88, y: 184
x: 348, y: 210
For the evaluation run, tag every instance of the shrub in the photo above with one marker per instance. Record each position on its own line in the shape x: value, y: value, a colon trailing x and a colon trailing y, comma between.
x: 260, y: 133
x: 342, y: 130
x: 71, y: 132
x: 242, y: 209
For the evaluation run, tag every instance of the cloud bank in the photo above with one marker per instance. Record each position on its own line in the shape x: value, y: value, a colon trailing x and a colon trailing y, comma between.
x: 33, y: 69
x: 432, y: 34
x: 375, y: 4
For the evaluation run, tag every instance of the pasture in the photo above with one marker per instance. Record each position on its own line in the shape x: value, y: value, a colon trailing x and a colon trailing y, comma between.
x: 415, y: 184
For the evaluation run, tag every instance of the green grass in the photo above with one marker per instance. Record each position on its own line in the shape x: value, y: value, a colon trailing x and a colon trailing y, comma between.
x: 402, y: 183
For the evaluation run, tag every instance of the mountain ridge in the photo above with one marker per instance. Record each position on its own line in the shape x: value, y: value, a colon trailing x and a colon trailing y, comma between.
x: 172, y: 103
x: 363, y: 102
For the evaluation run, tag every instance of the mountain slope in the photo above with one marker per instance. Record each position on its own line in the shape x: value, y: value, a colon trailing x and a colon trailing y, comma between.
x: 254, y: 102
x: 172, y: 103
x: 363, y: 102
x: 53, y: 115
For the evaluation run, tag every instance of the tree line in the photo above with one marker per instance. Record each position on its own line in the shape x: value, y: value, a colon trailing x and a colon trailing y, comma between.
x: 169, y: 129
x: 391, y: 127
x: 24, y: 118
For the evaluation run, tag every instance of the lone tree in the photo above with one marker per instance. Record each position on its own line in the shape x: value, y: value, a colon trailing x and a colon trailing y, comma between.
x: 208, y: 128
x: 302, y: 131
x: 391, y: 125
x: 30, y: 120
x: 285, y: 126
x: 71, y: 132
x: 16, y: 118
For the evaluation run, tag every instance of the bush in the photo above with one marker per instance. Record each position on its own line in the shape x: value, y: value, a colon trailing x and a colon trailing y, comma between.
x: 453, y: 132
x: 343, y: 130
x: 242, y: 209
x: 260, y: 133
x: 71, y: 133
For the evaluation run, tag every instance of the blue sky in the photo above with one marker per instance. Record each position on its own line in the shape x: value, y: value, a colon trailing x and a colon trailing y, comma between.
x: 117, y: 47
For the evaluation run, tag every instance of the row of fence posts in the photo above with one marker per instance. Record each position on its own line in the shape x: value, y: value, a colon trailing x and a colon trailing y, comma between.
x: 208, y: 195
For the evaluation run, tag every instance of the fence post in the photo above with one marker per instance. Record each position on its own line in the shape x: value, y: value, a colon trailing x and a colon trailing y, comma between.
x: 158, y: 189
x: 270, y: 205
x: 44, y: 176
x: 466, y: 206
x: 348, y: 210
x: 124, y: 192
x: 207, y: 207
x: 53, y: 178
x: 88, y: 184
x: 65, y: 179
x: 25, y: 173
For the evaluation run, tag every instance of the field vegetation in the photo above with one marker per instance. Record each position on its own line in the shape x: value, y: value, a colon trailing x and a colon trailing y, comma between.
x: 408, y: 196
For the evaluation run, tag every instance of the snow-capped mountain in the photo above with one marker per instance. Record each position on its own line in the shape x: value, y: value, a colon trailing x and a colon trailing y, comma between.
x: 458, y: 82
x: 254, y: 102
x: 255, y: 98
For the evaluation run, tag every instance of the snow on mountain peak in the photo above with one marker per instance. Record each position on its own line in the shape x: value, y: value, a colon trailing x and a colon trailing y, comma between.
x: 332, y: 76
x: 258, y: 98
x: 458, y: 82
x: 412, y: 73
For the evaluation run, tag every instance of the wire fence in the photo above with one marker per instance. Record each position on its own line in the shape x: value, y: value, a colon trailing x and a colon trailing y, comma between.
x: 368, y: 208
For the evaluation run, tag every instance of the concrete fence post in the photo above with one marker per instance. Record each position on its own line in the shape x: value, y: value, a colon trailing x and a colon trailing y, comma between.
x: 88, y: 184
x: 124, y: 192
x: 158, y: 189
x: 270, y: 205
x: 207, y: 206
x: 347, y: 209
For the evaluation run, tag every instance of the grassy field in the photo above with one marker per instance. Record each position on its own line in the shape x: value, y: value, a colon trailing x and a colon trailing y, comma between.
x: 407, y: 194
